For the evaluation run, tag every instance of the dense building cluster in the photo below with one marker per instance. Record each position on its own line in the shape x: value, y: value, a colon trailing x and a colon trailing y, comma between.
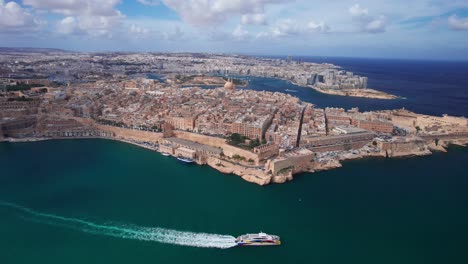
x: 262, y: 136
x: 86, y: 67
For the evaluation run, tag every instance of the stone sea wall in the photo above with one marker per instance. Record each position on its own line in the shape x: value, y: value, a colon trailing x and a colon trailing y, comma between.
x: 248, y: 174
x: 131, y: 134
x: 217, y: 143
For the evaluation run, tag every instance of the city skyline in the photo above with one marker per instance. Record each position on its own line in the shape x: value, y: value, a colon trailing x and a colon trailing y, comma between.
x: 423, y: 29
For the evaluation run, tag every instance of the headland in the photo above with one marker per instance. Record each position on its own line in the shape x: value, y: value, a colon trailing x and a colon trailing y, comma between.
x: 263, y: 137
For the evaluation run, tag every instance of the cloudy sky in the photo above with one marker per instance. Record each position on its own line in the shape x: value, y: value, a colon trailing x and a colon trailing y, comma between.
x: 426, y: 29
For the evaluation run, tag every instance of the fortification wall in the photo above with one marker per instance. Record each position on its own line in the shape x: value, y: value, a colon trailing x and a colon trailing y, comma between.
x: 228, y: 150
x: 407, y: 147
x: 131, y: 134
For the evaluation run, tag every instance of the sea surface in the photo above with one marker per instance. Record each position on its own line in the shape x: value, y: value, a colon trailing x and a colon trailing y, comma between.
x: 427, y: 87
x: 101, y: 201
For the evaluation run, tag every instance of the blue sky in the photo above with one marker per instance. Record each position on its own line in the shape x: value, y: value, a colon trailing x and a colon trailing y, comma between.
x: 422, y: 29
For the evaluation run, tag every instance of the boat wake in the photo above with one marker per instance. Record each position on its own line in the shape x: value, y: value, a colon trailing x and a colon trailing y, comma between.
x: 154, y: 234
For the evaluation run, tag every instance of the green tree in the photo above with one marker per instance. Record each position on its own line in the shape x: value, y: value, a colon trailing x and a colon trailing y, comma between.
x: 236, y: 139
x: 254, y: 143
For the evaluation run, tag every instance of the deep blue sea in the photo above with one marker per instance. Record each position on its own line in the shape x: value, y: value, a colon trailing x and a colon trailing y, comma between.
x: 428, y: 87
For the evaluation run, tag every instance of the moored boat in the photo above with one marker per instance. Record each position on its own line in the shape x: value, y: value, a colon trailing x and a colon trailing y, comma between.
x: 165, y: 154
x: 260, y: 239
x: 184, y: 159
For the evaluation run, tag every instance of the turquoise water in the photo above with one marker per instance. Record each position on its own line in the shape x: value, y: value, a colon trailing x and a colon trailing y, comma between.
x: 98, y: 201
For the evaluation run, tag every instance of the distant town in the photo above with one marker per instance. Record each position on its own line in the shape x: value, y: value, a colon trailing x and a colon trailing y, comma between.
x: 196, y: 107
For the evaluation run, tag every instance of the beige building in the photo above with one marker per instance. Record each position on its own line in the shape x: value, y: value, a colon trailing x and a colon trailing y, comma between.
x: 403, y: 146
x: 166, y: 148
x: 376, y: 126
x: 295, y: 161
x: 247, y: 130
x: 182, y: 123
x: 185, y: 152
x: 266, y: 151
x: 190, y: 149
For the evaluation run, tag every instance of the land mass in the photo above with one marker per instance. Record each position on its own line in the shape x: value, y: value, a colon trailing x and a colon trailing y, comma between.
x: 263, y: 137
x: 190, y: 67
x: 363, y: 93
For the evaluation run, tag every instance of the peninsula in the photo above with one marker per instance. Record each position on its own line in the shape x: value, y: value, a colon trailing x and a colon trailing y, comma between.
x: 263, y: 137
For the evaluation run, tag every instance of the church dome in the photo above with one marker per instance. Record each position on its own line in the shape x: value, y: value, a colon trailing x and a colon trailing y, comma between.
x: 229, y: 85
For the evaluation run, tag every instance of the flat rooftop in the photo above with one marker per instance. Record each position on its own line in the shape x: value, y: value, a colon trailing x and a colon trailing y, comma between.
x: 351, y: 129
x: 193, y: 145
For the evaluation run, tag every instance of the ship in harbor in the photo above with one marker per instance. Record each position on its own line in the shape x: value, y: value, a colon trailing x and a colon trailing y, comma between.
x: 260, y: 239
x: 184, y: 159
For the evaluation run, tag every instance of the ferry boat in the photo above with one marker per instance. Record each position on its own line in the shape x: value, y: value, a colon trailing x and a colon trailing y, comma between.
x: 184, y: 159
x: 260, y: 239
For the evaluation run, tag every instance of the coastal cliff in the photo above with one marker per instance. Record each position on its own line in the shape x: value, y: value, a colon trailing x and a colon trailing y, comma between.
x: 248, y: 174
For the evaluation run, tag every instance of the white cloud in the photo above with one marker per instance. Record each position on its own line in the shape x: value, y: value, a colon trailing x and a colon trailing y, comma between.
x: 376, y: 25
x: 134, y: 29
x: 366, y: 22
x: 357, y: 11
x: 14, y: 18
x: 318, y: 27
x: 68, y: 25
x: 291, y: 27
x: 137, y: 28
x: 149, y: 2
x: 286, y: 27
x: 96, y: 18
x: 212, y: 12
x: 92, y: 25
x: 240, y: 34
x: 458, y: 23
x: 77, y: 7
x: 254, y: 19
x: 175, y: 35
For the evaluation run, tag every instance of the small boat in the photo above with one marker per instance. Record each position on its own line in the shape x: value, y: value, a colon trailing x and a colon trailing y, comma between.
x: 165, y: 154
x: 184, y: 159
x: 289, y: 90
x: 260, y: 239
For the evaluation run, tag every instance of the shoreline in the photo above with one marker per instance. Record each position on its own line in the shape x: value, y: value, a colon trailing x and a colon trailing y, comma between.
x: 366, y: 93
x: 258, y: 176
x: 30, y: 140
x: 360, y: 93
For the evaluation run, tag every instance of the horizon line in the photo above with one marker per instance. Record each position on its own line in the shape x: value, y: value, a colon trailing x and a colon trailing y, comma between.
x: 241, y: 54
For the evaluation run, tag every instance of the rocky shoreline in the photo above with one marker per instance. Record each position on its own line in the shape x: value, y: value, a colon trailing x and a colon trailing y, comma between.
x: 363, y: 93
x: 260, y: 176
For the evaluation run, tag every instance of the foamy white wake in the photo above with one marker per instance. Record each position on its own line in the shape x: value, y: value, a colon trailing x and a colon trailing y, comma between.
x: 155, y: 234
